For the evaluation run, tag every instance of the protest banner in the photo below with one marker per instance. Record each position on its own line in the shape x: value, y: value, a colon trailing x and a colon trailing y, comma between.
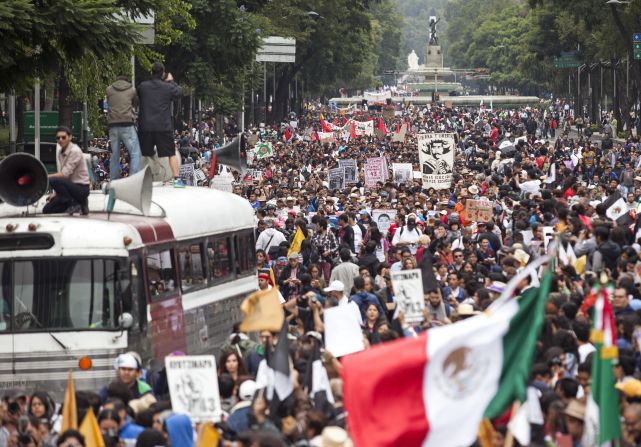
x: 248, y: 178
x: 187, y: 174
x: 199, y: 175
x: 374, y: 171
x: 252, y: 140
x: 263, y: 150
x: 257, y: 175
x: 402, y: 172
x: 436, y: 157
x: 364, y: 128
x: 336, y: 178
x: 350, y: 169
x: 478, y: 210
x: 326, y: 137
x: 408, y: 293
x: 191, y: 388
x: 383, y: 219
x: 416, y: 175
x: 222, y: 183
x: 377, y: 97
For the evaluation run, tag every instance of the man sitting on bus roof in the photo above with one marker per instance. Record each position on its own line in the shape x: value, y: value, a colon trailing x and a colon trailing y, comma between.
x: 71, y: 184
x: 127, y: 367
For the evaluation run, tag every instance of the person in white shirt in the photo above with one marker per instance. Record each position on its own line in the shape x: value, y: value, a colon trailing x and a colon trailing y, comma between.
x: 407, y: 235
x: 271, y: 237
x: 336, y: 289
x: 264, y: 283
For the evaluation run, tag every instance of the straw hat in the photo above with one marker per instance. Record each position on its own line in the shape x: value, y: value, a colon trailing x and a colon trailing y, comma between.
x: 575, y: 409
x: 335, y: 437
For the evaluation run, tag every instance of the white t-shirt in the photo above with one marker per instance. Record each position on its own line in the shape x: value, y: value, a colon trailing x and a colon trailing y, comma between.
x: 358, y: 237
x: 404, y: 234
x: 584, y: 351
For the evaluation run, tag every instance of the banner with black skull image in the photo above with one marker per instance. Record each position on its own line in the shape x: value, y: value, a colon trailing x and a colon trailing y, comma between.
x: 436, y: 155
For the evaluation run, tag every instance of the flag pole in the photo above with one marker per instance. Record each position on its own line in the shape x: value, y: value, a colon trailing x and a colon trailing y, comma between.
x: 509, y: 437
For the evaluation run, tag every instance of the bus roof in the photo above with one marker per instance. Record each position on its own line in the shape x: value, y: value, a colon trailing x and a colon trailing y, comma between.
x: 175, y: 214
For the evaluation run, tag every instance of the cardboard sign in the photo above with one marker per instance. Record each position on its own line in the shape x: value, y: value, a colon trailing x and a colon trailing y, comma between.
x: 436, y: 157
x: 193, y: 387
x: 187, y: 174
x: 408, y: 294
x: 374, y: 171
x: 222, y: 183
x: 478, y: 210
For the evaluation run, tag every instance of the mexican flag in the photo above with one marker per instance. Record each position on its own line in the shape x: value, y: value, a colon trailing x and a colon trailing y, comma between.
x: 602, y: 422
x: 435, y: 389
x: 263, y: 150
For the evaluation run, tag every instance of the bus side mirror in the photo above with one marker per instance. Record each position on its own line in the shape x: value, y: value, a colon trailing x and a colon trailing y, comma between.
x: 126, y: 320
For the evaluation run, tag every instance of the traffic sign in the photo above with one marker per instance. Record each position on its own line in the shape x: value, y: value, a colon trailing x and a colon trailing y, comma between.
x: 277, y: 49
x: 636, y: 46
x: 636, y: 37
x: 567, y: 59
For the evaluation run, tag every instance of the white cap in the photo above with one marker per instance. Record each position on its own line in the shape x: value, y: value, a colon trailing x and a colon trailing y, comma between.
x: 335, y: 286
x: 126, y: 361
x: 246, y: 390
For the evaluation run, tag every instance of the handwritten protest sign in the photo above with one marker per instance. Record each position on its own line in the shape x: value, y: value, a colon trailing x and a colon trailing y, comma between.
x: 478, y: 210
x: 374, y: 171
x: 408, y: 293
x: 191, y: 387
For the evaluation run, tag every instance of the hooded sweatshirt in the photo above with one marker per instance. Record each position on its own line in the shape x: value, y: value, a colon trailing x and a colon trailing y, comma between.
x: 181, y: 434
x: 122, y: 99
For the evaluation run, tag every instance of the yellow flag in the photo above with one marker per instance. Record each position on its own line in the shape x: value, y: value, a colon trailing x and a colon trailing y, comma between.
x: 91, y: 430
x: 69, y: 409
x: 263, y: 311
x: 208, y: 435
x: 486, y: 433
x: 299, y: 237
x: 579, y: 265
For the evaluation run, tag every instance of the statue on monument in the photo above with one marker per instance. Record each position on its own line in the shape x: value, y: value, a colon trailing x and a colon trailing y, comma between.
x: 412, y: 60
x: 433, y: 38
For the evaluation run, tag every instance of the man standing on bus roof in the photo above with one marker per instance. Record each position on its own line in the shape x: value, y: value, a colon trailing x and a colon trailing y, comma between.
x: 155, y: 120
x: 71, y: 184
x: 122, y: 99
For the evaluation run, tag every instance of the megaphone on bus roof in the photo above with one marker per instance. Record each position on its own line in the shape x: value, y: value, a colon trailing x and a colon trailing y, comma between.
x: 230, y: 154
x: 135, y: 190
x: 23, y: 179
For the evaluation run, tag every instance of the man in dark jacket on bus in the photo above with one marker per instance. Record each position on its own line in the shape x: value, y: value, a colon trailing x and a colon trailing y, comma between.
x: 155, y: 120
x: 122, y: 99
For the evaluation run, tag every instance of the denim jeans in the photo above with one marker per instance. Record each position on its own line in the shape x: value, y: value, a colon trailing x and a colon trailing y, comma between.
x: 128, y: 136
x: 67, y: 195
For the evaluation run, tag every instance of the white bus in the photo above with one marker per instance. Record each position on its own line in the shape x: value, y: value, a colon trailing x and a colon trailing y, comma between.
x: 67, y: 284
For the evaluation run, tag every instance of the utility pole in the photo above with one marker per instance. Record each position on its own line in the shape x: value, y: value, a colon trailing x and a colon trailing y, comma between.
x: 12, y: 122
x: 36, y: 118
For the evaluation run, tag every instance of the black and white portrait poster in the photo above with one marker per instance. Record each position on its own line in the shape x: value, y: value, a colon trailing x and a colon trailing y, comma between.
x: 336, y: 178
x: 350, y: 169
x: 402, y: 172
x: 436, y: 156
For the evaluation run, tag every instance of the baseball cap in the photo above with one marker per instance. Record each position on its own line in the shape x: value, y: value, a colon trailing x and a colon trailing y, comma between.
x: 335, y: 286
x: 126, y: 361
x: 246, y: 390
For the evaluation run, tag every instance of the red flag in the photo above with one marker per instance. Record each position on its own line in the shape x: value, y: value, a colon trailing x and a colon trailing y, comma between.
x: 344, y: 120
x: 212, y: 166
x: 381, y: 126
x: 324, y: 124
x: 288, y: 134
x: 352, y: 132
x: 315, y: 136
x: 397, y: 128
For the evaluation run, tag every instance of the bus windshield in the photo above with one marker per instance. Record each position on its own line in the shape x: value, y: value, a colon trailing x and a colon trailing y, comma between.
x: 58, y: 294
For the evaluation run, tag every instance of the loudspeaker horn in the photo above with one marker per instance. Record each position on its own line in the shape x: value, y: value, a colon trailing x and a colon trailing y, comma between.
x: 23, y: 179
x: 136, y: 190
x: 229, y: 154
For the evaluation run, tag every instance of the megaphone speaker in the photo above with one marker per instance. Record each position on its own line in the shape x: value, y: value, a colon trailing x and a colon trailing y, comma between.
x: 230, y: 154
x: 136, y: 190
x: 23, y: 179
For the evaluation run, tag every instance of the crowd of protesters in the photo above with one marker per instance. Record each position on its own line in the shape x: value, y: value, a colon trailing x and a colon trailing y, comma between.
x: 536, y: 173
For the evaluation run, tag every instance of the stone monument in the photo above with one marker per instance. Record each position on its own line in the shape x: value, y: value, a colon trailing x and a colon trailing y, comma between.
x: 412, y: 60
x: 433, y: 55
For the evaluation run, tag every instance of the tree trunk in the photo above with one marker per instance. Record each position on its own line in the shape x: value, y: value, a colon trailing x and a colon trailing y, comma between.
x: 50, y: 88
x: 65, y: 105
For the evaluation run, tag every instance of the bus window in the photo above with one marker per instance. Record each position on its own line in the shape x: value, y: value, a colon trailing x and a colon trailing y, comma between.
x: 191, y: 267
x: 161, y: 272
x: 5, y: 296
x: 245, y: 253
x: 64, y: 293
x: 219, y: 259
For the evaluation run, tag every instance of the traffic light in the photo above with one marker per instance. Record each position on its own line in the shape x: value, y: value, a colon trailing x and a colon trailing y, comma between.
x: 637, y: 50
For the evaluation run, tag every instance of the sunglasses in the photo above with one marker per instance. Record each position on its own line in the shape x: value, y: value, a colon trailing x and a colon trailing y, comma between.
x: 61, y: 137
